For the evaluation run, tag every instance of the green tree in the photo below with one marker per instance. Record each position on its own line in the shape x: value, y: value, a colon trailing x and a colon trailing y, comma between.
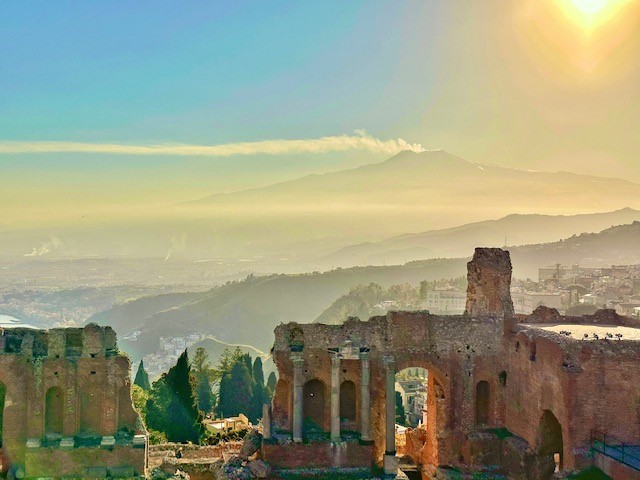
x: 142, y: 378
x: 260, y: 393
x: 172, y: 408
x: 203, y: 373
x: 400, y: 413
x: 271, y: 383
x: 236, y: 393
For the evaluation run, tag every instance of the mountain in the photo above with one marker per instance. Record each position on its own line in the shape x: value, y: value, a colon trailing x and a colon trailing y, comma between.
x: 283, y: 227
x: 514, y: 229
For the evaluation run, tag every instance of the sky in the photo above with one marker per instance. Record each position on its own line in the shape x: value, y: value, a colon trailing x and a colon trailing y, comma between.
x: 532, y: 84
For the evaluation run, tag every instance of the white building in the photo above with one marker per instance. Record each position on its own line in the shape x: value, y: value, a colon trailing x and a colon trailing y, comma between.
x: 445, y: 301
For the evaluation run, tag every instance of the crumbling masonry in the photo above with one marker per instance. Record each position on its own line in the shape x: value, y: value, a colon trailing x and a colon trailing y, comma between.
x: 504, y: 393
x: 65, y: 406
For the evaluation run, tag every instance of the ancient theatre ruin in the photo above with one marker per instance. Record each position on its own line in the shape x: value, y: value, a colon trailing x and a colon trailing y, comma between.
x: 506, y: 393
x: 65, y: 406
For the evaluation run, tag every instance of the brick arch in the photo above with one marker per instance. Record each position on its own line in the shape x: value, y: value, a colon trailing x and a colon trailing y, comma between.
x: 438, y: 401
x: 314, y: 401
x: 54, y: 411
x: 549, y: 440
x: 348, y: 400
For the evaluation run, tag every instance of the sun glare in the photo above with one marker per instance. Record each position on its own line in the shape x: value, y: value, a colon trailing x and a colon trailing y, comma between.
x: 590, y: 7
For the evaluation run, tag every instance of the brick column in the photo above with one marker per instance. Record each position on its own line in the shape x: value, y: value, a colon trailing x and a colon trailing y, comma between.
x: 390, y: 460
x: 298, y: 362
x: 365, y: 401
x: 335, y: 398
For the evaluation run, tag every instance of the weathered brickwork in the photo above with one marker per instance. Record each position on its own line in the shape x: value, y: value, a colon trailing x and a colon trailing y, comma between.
x: 502, y: 393
x: 67, y: 404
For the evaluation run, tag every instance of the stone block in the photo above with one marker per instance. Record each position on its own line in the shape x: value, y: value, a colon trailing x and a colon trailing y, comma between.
x: 125, y: 471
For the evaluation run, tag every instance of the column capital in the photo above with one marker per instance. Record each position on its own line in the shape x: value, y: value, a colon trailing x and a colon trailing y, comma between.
x: 365, y: 355
x: 335, y: 360
x: 296, y: 358
x: 389, y: 360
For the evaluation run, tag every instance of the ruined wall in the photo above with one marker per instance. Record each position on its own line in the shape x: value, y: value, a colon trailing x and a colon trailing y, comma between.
x: 457, y: 351
x: 67, y: 389
x: 587, y: 385
x: 541, y: 387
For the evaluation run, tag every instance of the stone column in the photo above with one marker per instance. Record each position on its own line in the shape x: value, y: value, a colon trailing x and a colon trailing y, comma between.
x: 297, y: 360
x: 365, y: 398
x: 390, y: 460
x: 266, y: 421
x: 335, y: 398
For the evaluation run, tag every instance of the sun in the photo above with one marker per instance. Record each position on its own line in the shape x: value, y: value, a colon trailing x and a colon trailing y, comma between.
x: 590, y: 7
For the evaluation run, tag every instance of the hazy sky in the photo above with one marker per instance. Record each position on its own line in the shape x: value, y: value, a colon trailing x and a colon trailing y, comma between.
x: 536, y: 84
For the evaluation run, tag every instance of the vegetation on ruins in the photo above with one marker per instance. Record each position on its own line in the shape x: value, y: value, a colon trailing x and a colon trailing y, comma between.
x: 142, y: 378
x: 171, y: 407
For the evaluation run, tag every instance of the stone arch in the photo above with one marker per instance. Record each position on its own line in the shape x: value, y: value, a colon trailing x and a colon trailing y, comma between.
x: 283, y: 404
x: 3, y: 396
x: 483, y: 402
x: 438, y: 400
x: 549, y: 441
x: 348, y: 400
x: 54, y: 411
x: 313, y: 401
x: 91, y: 411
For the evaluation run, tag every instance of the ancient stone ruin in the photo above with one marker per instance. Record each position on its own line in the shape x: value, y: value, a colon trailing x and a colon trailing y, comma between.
x: 65, y: 406
x: 505, y: 392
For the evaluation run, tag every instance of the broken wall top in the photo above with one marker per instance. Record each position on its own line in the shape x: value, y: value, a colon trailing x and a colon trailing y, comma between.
x: 91, y: 341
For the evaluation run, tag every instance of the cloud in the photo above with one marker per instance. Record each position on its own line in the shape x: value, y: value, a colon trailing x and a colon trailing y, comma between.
x: 360, y: 140
x: 45, y: 248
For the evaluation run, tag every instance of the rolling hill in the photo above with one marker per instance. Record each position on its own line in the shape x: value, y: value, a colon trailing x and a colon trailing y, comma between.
x: 247, y: 311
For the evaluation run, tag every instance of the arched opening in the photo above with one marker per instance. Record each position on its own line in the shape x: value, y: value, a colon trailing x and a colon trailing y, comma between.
x: 313, y: 406
x: 482, y: 403
x: 54, y: 411
x: 550, y: 439
x: 411, y: 392
x: 348, y: 401
x: 90, y: 412
x: 3, y: 395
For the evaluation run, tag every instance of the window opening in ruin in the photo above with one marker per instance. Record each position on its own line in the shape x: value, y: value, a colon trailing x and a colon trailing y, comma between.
x: 348, y: 400
x: 550, y: 438
x: 313, y: 406
x: 532, y: 356
x: 3, y: 394
x: 503, y: 378
x: 54, y: 411
x: 482, y: 403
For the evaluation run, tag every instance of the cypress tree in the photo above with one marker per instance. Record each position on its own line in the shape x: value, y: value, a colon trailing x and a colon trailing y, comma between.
x: 142, y: 378
x: 203, y: 392
x: 184, y: 420
x: 260, y: 394
x: 271, y: 383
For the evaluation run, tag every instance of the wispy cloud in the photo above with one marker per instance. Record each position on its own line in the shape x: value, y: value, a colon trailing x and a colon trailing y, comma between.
x: 360, y: 140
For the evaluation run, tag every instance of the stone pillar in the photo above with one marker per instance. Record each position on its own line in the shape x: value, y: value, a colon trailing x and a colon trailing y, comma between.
x: 365, y: 398
x: 297, y: 360
x: 390, y: 460
x: 266, y: 421
x: 335, y: 398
